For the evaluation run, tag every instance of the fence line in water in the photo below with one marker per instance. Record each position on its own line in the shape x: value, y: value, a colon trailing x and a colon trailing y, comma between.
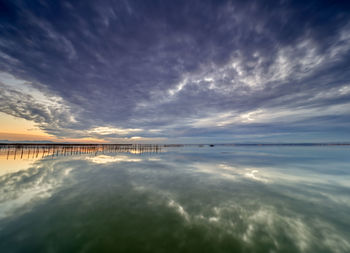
x: 31, y: 151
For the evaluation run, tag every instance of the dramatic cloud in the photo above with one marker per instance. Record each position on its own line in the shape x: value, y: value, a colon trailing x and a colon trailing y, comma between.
x: 187, y: 71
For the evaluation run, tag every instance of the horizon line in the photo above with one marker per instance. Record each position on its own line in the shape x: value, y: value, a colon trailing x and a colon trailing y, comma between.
x: 186, y: 144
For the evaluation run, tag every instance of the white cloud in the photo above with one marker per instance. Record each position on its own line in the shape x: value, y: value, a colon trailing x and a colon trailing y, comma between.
x: 271, y: 115
x: 113, y: 130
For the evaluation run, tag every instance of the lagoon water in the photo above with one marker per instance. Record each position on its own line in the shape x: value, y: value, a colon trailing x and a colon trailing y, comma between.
x: 181, y: 199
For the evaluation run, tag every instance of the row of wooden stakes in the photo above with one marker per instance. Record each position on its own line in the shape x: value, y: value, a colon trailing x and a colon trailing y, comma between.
x: 32, y: 151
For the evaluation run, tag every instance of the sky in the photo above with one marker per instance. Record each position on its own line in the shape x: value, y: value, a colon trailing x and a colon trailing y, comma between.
x: 175, y: 71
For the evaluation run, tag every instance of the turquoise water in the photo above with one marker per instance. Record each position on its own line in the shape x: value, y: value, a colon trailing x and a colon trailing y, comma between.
x: 183, y: 199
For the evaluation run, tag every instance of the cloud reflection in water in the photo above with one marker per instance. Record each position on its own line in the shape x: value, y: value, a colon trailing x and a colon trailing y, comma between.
x: 179, y: 200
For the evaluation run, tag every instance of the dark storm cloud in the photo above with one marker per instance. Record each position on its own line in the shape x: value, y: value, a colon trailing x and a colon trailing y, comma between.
x: 179, y: 68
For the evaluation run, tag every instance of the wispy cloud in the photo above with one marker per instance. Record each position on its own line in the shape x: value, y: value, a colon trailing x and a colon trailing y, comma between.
x: 119, y: 70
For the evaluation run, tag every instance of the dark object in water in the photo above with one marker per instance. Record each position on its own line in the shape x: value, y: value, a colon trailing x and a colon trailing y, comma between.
x: 211, y: 145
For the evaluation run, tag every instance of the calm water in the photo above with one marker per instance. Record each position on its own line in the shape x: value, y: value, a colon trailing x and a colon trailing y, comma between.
x: 184, y: 199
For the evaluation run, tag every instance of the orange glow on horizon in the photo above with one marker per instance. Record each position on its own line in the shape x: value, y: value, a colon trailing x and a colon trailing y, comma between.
x: 16, y: 129
x: 14, y: 125
x: 13, y: 137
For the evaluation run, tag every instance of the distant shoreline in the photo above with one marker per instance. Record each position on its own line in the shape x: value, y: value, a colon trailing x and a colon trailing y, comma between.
x: 173, y: 145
